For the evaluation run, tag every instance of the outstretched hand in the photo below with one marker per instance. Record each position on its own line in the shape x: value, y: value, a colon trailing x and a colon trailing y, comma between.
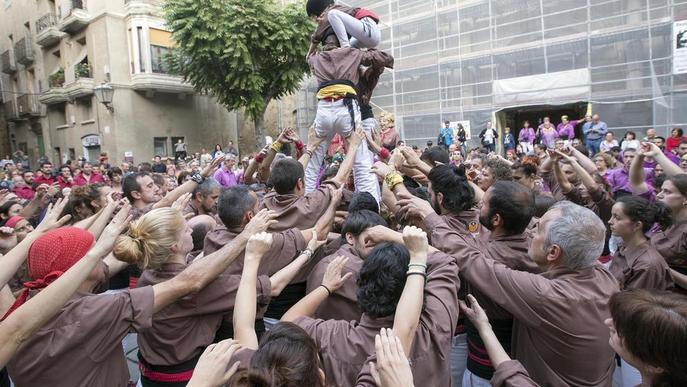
x: 213, y: 368
x: 260, y: 222
x: 393, y: 368
x: 52, y: 220
x: 210, y: 168
x: 333, y: 279
x: 258, y: 245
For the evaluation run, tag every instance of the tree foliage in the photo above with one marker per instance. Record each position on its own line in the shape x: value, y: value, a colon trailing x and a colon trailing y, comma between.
x: 243, y: 52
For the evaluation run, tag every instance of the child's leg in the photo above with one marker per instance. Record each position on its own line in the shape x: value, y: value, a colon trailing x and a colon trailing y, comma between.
x: 365, y: 33
x: 366, y: 181
x: 324, y: 120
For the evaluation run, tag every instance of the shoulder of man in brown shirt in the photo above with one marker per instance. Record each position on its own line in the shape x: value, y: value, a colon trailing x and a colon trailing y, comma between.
x: 559, y: 314
x: 296, y: 211
x: 342, y: 304
x: 81, y: 345
x: 285, y: 248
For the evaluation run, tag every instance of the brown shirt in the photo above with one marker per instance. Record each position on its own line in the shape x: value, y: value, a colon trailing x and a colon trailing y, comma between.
x: 344, y: 63
x: 641, y: 267
x: 82, y: 344
x: 672, y: 245
x: 295, y: 211
x: 345, y: 345
x: 559, y: 315
x: 285, y: 247
x: 182, y: 330
x: 342, y: 304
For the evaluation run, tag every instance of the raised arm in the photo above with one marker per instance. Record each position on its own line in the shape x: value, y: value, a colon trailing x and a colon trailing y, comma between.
x: 409, y: 306
x: 313, y: 143
x: 346, y: 167
x: 332, y: 281
x: 562, y: 180
x: 515, y: 377
x: 324, y: 224
x: 637, y: 176
x: 103, y: 218
x: 583, y: 160
x: 652, y: 150
x: 283, y: 277
x: 15, y: 257
x: 246, y: 296
x: 585, y: 177
x: 30, y: 316
x: 266, y: 164
x: 188, y: 186
x: 201, y: 272
x: 253, y: 166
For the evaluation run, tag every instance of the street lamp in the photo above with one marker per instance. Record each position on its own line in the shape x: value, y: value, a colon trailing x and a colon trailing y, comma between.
x: 104, y: 93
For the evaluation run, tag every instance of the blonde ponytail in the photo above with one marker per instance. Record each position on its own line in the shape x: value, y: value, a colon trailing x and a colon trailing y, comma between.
x: 149, y: 241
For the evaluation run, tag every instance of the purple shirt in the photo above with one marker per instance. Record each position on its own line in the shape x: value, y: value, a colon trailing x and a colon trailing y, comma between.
x: 619, y: 179
x: 526, y: 135
x: 566, y: 130
x: 227, y: 178
x: 548, y: 137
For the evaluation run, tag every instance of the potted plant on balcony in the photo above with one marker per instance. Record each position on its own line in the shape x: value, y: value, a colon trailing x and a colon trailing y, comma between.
x: 56, y: 79
x: 82, y: 70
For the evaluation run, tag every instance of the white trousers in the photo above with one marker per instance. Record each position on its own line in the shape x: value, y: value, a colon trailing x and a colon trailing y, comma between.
x: 332, y: 118
x: 365, y: 33
x: 527, y: 147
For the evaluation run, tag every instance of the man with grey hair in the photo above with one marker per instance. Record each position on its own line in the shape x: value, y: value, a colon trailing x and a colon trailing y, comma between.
x: 204, y: 199
x: 558, y: 333
x: 227, y: 176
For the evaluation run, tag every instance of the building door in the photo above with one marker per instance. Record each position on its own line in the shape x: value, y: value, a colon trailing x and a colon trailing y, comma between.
x: 514, y: 117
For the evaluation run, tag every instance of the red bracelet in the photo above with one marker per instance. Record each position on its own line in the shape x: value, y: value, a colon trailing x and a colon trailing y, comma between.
x: 259, y: 158
x: 384, y: 153
x: 300, y: 145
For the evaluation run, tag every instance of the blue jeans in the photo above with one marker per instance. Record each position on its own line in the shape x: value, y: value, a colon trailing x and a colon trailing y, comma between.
x: 593, y: 146
x: 459, y: 358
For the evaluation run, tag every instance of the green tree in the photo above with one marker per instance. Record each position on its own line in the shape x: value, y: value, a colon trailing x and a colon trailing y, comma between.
x: 243, y: 52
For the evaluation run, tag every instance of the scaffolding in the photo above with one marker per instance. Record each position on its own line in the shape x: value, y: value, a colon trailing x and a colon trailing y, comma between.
x: 453, y: 58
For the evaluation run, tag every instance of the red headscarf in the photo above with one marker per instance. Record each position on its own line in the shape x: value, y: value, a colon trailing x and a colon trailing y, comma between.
x: 50, y: 256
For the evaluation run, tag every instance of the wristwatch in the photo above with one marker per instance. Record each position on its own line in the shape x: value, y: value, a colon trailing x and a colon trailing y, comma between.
x: 198, y: 178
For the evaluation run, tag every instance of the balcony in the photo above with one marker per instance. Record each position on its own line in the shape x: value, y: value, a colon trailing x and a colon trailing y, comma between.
x: 28, y: 105
x: 47, y: 31
x: 10, y: 109
x: 8, y: 65
x: 76, y: 19
x: 23, y: 51
x: 56, y: 93
x: 83, y: 85
x: 162, y: 83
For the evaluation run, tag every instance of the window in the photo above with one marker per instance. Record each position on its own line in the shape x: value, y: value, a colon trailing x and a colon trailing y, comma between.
x: 72, y: 154
x: 160, y: 146
x: 85, y: 106
x: 139, y: 35
x: 160, y: 42
x: 157, y: 59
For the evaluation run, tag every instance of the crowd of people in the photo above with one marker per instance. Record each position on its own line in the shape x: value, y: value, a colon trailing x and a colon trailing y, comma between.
x: 350, y: 259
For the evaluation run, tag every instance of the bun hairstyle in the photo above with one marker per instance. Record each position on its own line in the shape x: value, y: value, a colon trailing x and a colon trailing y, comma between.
x: 452, y: 182
x: 149, y: 241
x: 639, y: 209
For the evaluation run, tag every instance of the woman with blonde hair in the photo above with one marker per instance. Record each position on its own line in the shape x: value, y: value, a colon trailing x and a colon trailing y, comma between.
x: 159, y: 242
